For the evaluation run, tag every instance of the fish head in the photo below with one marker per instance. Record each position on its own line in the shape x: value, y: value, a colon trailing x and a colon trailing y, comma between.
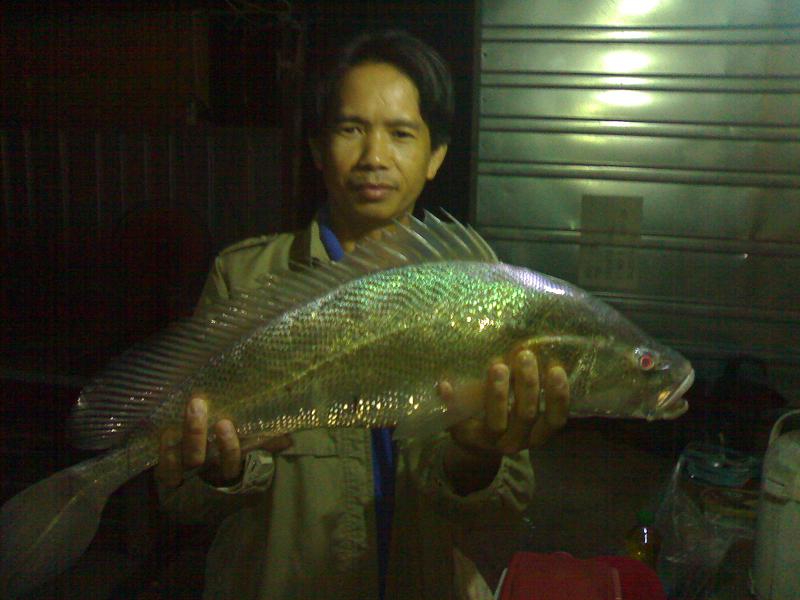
x: 614, y: 369
x: 617, y: 376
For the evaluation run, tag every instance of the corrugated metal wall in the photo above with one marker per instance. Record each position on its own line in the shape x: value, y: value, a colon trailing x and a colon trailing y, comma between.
x: 105, y: 235
x: 650, y: 152
x: 60, y: 179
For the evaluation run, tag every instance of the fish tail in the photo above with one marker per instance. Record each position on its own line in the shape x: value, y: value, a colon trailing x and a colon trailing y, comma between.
x: 45, y: 528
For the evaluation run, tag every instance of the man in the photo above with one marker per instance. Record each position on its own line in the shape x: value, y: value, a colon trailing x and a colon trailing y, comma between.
x: 335, y: 513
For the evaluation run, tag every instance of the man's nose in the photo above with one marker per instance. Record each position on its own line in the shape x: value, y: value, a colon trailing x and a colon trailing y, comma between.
x: 375, y: 151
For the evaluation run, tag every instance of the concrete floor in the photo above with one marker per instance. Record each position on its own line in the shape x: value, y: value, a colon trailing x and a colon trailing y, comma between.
x: 589, y: 489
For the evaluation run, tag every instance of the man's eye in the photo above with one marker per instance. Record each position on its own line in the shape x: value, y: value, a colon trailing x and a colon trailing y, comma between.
x: 349, y: 129
x: 402, y: 134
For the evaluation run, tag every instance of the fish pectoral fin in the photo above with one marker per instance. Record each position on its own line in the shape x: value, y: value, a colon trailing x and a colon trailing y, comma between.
x: 450, y: 404
x: 421, y: 426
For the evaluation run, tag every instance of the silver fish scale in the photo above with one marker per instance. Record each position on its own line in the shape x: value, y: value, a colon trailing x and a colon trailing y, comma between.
x: 358, y: 342
x: 556, y: 307
x: 367, y: 353
x: 370, y: 352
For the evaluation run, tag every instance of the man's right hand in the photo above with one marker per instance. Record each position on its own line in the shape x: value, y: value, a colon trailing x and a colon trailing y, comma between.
x: 180, y: 451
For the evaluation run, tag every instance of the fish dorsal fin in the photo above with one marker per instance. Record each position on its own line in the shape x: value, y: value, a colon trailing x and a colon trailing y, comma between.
x: 412, y: 243
x: 124, y: 396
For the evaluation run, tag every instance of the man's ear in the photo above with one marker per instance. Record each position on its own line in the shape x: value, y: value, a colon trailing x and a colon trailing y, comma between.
x: 436, y: 160
x: 315, y: 144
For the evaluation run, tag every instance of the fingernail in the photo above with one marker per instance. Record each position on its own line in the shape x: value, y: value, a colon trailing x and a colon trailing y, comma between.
x: 558, y: 377
x: 226, y: 432
x: 500, y: 373
x: 197, y: 408
x: 526, y: 358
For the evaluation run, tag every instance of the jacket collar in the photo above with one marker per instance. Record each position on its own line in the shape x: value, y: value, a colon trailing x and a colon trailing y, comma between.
x: 307, y: 247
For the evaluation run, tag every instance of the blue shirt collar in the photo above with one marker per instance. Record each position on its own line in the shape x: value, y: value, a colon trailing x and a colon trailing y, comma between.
x: 327, y: 236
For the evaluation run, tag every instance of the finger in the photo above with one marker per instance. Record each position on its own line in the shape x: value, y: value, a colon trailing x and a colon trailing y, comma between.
x: 276, y: 444
x: 195, y: 433
x: 230, y: 453
x: 169, y: 471
x: 446, y: 393
x: 269, y: 442
x: 496, y: 398
x: 466, y: 400
x: 472, y: 434
x: 468, y: 432
x: 556, y: 391
x: 526, y: 403
x: 526, y: 387
x: 556, y: 395
x: 540, y: 433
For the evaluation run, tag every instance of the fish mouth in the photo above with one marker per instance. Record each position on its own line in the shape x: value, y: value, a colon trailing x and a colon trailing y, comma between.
x: 675, y: 405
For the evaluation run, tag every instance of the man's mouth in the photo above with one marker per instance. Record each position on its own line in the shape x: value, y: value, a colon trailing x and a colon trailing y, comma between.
x: 373, y: 191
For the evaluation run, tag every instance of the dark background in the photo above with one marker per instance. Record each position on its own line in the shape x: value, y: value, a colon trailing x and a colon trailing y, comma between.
x: 85, y: 87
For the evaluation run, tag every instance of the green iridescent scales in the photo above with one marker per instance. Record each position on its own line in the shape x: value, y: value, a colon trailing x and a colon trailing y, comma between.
x: 368, y: 354
x: 361, y: 342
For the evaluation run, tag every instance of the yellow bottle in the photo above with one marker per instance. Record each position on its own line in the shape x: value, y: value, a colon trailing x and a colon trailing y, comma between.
x: 642, y: 542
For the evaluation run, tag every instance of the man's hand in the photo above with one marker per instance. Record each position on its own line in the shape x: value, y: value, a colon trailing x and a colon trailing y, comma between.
x: 505, y: 428
x: 181, y: 451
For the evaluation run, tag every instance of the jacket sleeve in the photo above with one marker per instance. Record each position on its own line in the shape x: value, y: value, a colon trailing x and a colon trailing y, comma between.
x: 508, y: 495
x: 196, y: 501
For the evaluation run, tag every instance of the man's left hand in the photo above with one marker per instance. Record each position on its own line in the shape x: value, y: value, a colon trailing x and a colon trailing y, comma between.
x: 506, y: 428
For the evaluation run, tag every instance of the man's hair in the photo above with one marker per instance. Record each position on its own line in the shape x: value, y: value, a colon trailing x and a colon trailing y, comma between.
x: 416, y: 59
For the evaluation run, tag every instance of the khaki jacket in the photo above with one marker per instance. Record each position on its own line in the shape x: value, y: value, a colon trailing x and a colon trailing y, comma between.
x: 301, y: 523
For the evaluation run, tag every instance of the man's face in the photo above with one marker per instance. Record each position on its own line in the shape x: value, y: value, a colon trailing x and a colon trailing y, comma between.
x: 376, y: 155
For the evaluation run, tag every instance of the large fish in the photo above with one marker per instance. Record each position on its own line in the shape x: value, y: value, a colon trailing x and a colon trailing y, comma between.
x: 361, y: 342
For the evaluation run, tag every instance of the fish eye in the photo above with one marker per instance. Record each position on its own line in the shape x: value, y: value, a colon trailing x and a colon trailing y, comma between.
x: 646, y: 359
